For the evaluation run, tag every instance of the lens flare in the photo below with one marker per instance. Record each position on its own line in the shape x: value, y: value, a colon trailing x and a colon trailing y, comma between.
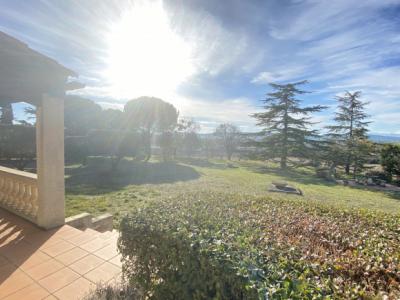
x: 145, y: 56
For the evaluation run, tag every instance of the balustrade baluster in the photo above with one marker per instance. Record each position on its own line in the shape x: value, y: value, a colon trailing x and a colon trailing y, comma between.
x: 18, y: 193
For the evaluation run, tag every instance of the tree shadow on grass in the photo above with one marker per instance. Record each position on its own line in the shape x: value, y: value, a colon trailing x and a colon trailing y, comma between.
x: 300, y: 175
x: 203, y: 163
x: 96, y: 179
x: 306, y: 176
x: 390, y: 193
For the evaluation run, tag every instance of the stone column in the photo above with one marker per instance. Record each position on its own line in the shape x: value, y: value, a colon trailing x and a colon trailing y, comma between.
x: 50, y: 162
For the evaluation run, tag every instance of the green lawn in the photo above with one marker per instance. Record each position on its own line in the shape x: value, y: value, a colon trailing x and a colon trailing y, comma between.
x: 334, y: 242
x: 97, y: 189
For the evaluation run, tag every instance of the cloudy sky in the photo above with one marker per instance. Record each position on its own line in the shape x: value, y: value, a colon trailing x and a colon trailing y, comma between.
x: 214, y: 59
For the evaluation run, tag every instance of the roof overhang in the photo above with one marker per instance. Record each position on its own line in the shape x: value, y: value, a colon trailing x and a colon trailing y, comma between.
x: 25, y: 74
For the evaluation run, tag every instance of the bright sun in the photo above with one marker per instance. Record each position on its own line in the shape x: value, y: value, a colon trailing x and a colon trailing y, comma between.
x: 146, y: 57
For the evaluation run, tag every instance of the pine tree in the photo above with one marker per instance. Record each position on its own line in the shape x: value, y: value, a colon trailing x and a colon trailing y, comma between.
x: 351, y: 128
x: 6, y: 114
x: 286, y: 124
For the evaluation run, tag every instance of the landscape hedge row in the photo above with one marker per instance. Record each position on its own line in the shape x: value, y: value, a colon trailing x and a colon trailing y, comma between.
x: 222, y: 246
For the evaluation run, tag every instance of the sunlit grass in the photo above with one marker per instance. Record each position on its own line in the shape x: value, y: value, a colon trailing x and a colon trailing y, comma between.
x: 113, y: 192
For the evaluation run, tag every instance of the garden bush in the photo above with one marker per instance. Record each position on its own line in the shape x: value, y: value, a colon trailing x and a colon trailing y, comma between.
x: 17, y: 145
x: 112, y: 291
x: 228, y: 246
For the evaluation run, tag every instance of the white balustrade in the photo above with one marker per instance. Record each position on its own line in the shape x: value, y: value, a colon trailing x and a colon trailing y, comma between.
x: 19, y: 193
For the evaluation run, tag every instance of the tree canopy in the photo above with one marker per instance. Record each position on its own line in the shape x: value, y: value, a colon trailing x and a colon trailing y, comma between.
x: 229, y: 136
x: 286, y: 124
x: 390, y: 159
x: 149, y: 115
x: 350, y: 129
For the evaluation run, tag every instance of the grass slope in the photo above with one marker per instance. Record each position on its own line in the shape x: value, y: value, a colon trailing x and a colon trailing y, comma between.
x: 96, y: 189
x: 334, y: 242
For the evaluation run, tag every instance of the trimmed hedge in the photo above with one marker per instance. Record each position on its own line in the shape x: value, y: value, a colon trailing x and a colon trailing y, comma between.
x: 221, y: 246
x: 187, y: 252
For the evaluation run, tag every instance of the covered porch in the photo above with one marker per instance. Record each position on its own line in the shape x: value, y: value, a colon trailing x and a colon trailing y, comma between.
x: 28, y: 76
x: 40, y: 256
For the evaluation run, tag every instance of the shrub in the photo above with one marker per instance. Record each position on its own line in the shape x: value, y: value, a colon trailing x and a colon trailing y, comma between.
x: 390, y: 160
x: 186, y: 254
x: 230, y: 246
x: 17, y: 145
x: 324, y: 173
x: 76, y: 149
x: 114, y: 292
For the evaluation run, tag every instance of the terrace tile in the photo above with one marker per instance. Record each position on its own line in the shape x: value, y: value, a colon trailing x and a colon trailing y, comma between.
x: 31, y: 292
x: 103, y: 273
x: 76, y: 290
x: 71, y: 256
x: 107, y: 252
x: 58, y: 279
x: 62, y: 263
x: 44, y: 269
x: 58, y: 248
x: 86, y: 264
x: 15, y: 281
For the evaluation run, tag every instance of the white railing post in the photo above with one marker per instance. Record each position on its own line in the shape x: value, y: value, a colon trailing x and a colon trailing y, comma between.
x: 50, y: 162
x: 18, y: 193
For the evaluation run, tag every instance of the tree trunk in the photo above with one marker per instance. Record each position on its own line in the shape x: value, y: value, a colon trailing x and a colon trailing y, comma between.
x: 285, y: 139
x: 349, y: 158
x: 229, y: 155
x: 332, y: 171
x: 283, y: 162
x: 347, y: 167
x: 148, y: 146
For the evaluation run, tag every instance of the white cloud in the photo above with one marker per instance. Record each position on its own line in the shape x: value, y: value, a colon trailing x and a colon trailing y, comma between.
x: 209, y: 113
x: 285, y: 74
x: 236, y: 111
x: 337, y: 45
x: 111, y: 105
x: 312, y: 19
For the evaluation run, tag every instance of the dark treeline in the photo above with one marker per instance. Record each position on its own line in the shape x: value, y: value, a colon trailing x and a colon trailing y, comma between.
x: 145, y: 126
x: 149, y: 125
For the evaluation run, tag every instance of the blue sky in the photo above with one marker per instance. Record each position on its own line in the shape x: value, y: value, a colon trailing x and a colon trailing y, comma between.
x: 216, y: 57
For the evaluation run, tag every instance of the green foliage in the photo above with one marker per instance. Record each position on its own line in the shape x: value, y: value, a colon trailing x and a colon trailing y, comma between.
x: 184, y: 251
x: 348, y: 136
x: 17, y: 144
x: 390, y: 159
x: 113, y: 292
x: 217, y: 246
x: 76, y: 149
x: 229, y: 136
x: 81, y: 115
x: 6, y: 114
x: 149, y: 115
x: 286, y: 124
x: 166, y: 141
x: 187, y: 138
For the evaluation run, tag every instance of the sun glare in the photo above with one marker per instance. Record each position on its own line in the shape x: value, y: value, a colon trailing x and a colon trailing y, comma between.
x: 146, y: 57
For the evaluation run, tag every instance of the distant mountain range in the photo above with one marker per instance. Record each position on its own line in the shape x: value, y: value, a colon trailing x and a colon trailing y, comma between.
x: 377, y: 138
x: 385, y: 138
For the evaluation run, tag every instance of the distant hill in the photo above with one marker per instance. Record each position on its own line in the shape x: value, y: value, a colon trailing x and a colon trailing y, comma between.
x: 377, y: 138
x: 385, y: 138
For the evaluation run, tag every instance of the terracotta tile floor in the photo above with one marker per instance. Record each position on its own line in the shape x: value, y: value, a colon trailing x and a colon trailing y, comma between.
x: 63, y: 263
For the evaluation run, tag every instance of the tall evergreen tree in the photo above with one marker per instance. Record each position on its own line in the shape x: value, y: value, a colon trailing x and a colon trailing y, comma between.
x: 286, y: 124
x: 6, y: 114
x: 351, y: 126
